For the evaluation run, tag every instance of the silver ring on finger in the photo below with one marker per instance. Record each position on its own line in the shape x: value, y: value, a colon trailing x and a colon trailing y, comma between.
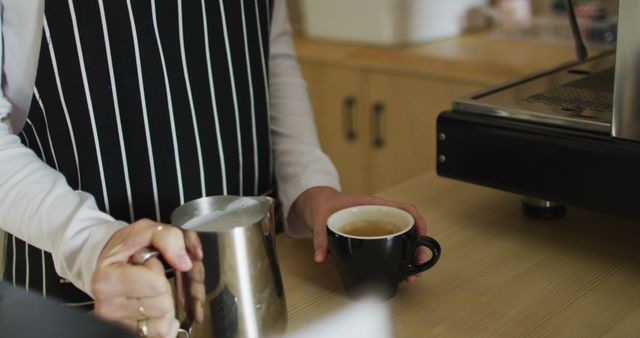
x: 142, y: 329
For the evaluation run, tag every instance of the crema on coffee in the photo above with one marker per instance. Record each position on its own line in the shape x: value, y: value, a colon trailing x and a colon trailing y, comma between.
x: 369, y: 228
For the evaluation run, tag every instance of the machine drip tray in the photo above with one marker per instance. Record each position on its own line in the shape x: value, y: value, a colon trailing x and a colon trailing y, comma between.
x: 589, y: 97
x: 576, y: 95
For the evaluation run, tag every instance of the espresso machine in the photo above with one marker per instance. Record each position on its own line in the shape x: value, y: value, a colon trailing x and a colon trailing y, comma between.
x: 569, y: 136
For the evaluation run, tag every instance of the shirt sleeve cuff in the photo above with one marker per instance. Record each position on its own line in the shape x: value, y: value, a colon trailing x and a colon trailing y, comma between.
x: 293, y: 224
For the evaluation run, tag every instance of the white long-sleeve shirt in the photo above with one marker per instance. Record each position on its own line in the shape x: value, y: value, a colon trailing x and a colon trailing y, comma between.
x: 38, y: 206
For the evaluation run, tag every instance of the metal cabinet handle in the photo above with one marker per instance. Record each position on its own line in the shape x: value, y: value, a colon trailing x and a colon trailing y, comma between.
x: 376, y: 129
x: 347, y: 118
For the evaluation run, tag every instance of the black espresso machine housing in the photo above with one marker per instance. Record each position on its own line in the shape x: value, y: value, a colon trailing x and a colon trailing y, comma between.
x: 567, y: 136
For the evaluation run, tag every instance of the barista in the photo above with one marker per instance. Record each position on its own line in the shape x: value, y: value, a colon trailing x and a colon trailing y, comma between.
x: 122, y: 111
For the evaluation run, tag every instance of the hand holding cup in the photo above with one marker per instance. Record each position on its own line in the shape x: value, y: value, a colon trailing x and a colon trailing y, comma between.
x: 374, y: 246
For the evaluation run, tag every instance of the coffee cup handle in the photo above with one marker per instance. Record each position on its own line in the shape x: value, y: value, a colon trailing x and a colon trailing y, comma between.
x: 429, y: 243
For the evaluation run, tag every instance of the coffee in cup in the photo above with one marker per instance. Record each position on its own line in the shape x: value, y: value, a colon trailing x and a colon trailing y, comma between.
x: 373, y: 248
x: 369, y: 228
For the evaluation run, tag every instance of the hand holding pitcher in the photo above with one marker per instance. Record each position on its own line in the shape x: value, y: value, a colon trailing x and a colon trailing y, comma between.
x: 235, y: 289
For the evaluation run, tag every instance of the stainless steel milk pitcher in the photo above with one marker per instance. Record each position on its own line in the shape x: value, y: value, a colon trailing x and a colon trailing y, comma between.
x: 236, y: 291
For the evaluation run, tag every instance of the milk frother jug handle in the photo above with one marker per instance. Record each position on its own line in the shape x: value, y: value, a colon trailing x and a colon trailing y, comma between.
x: 145, y: 254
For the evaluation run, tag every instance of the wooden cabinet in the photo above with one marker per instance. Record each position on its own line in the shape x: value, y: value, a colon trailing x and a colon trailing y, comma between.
x: 378, y: 129
x: 376, y: 108
x: 405, y: 109
x: 338, y: 102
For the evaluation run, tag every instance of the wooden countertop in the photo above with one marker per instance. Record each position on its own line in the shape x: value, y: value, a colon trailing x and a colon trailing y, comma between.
x: 478, y: 58
x: 501, y: 274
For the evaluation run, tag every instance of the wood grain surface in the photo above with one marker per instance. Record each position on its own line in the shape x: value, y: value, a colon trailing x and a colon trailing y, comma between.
x: 501, y: 274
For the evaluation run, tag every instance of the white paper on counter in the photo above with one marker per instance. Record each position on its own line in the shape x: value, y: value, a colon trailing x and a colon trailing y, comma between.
x: 369, y: 319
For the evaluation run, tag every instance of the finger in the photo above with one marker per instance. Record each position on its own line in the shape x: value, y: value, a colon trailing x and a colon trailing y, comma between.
x: 115, y: 309
x: 197, y: 292
x: 420, y: 257
x: 162, y: 327
x: 195, y: 280
x: 166, y: 238
x: 410, y: 279
x: 131, y: 239
x: 173, y: 332
x: 193, y: 245
x: 136, y: 308
x: 129, y: 324
x: 154, y: 307
x: 196, y: 274
x: 193, y: 285
x: 156, y: 328
x: 420, y: 222
x: 169, y: 240
x: 319, y: 240
x: 197, y: 310
x: 126, y: 280
x: 194, y: 304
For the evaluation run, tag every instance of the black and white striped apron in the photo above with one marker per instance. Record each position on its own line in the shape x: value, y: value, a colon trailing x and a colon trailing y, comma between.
x: 146, y: 104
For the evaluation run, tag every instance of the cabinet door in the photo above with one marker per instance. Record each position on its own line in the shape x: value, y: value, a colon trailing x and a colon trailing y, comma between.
x: 403, y: 124
x: 337, y: 101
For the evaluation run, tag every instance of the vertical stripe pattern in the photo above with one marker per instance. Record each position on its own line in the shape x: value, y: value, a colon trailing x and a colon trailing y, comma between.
x: 147, y: 105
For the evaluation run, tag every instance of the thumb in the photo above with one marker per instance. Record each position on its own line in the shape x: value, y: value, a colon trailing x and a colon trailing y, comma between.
x: 320, y: 250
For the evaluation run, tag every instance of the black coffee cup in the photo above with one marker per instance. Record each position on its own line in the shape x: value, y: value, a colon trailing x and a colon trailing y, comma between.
x: 373, y: 248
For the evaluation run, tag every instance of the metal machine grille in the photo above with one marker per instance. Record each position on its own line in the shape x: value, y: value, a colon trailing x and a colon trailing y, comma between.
x: 592, y: 93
